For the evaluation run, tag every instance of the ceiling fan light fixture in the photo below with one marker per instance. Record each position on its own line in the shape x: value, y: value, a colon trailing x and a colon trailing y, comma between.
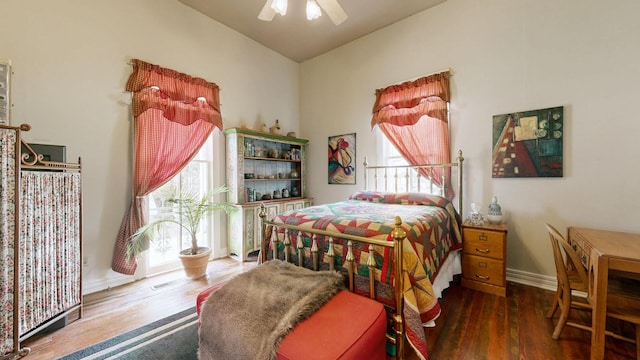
x: 313, y: 10
x: 279, y: 6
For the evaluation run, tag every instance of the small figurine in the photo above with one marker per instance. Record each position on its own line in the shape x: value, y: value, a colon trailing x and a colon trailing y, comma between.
x: 263, y: 128
x: 291, y: 134
x: 275, y: 129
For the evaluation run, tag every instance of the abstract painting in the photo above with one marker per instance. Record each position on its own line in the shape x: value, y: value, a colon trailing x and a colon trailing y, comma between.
x: 342, y: 159
x: 528, y: 143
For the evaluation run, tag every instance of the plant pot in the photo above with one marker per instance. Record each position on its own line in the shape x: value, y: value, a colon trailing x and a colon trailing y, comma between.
x: 195, y: 266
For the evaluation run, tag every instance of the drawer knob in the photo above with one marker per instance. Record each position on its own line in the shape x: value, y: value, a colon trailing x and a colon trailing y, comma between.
x: 484, y: 251
x: 482, y: 277
x: 483, y: 236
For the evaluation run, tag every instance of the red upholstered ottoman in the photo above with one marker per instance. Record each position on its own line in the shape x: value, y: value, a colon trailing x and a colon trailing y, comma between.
x: 349, y: 326
x: 204, y: 295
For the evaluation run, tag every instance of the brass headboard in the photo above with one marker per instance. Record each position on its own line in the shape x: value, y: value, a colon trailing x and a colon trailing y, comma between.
x: 392, y: 178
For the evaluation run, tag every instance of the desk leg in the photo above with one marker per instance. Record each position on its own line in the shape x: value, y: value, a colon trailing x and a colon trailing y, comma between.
x: 598, y: 276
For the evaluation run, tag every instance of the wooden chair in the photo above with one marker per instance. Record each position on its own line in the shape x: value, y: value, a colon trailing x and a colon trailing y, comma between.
x: 571, y: 276
x: 623, y: 300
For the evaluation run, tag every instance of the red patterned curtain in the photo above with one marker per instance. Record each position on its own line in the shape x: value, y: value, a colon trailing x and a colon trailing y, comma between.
x: 414, y: 117
x: 173, y: 115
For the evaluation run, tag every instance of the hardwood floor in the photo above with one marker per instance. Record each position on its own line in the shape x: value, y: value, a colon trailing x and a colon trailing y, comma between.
x: 117, y: 310
x: 473, y: 325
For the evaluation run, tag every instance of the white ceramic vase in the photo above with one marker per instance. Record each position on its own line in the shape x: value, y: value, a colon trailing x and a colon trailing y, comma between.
x: 494, y: 215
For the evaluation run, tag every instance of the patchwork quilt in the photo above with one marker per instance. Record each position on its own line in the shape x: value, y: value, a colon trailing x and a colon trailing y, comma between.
x: 433, y: 231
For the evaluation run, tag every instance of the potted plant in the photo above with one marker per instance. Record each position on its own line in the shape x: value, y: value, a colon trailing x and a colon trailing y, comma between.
x: 189, y: 209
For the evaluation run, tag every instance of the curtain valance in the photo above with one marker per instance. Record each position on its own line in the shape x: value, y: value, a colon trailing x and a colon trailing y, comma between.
x: 404, y: 104
x: 171, y: 91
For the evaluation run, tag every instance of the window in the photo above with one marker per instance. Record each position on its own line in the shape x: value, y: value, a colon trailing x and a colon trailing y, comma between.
x: 195, y: 177
x: 169, y: 128
x: 413, y: 116
x: 390, y: 156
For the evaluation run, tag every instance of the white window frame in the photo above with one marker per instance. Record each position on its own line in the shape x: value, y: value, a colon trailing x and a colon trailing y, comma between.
x: 210, y: 226
x: 388, y: 155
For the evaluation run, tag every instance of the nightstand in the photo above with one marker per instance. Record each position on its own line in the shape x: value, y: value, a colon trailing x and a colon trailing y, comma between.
x: 484, y: 254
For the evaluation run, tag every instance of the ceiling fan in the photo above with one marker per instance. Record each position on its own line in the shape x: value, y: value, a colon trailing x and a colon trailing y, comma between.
x: 331, y: 7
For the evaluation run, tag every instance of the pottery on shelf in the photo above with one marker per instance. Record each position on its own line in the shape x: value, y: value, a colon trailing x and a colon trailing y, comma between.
x: 274, y: 153
x: 275, y: 129
x: 494, y: 215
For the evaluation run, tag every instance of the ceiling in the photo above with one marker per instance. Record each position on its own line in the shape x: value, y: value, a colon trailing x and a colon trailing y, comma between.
x: 296, y: 37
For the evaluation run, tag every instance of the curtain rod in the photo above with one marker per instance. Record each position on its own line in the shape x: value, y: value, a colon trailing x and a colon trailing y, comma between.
x: 421, y: 76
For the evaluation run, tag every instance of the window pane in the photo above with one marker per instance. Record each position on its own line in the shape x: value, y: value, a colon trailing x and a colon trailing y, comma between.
x: 400, y: 180
x: 163, y: 248
x: 195, y: 178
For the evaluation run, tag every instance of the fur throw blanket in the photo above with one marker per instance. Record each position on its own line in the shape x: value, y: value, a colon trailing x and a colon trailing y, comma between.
x: 248, y: 317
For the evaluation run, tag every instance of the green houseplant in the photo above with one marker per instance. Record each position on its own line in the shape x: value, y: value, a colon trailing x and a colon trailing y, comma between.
x: 189, y: 210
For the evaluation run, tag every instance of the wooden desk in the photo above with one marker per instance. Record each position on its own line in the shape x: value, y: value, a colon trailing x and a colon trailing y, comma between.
x: 602, y: 251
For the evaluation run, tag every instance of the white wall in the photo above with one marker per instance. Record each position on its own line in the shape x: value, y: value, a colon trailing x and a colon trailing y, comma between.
x: 70, y: 63
x: 505, y: 56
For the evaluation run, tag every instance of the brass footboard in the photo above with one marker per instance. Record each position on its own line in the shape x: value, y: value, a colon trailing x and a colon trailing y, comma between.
x: 269, y: 229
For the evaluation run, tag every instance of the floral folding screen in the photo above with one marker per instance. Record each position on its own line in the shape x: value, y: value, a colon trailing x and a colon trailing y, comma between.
x: 528, y: 143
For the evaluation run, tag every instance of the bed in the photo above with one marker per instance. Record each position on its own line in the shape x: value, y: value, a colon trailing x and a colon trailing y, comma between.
x: 342, y: 235
x: 400, y: 249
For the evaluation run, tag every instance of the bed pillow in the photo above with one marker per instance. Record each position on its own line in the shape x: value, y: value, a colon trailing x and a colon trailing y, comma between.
x: 405, y: 198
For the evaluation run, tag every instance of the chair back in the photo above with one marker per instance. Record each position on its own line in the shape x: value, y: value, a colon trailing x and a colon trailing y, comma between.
x: 565, y: 257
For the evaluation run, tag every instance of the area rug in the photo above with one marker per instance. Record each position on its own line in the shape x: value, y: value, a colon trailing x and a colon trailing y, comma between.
x: 174, y: 337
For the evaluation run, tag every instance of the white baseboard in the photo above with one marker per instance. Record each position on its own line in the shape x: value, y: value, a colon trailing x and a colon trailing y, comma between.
x: 532, y: 279
x: 118, y: 279
x: 95, y: 286
x: 517, y: 276
x: 537, y: 280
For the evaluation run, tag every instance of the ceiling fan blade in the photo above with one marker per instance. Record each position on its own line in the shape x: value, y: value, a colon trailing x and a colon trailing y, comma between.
x: 267, y: 13
x: 333, y: 10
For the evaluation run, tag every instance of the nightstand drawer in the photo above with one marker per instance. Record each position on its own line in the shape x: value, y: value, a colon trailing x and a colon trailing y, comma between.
x: 483, y: 243
x: 483, y: 269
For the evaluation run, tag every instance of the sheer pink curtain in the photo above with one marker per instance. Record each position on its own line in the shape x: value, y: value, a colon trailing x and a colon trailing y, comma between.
x: 173, y: 115
x: 413, y: 116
